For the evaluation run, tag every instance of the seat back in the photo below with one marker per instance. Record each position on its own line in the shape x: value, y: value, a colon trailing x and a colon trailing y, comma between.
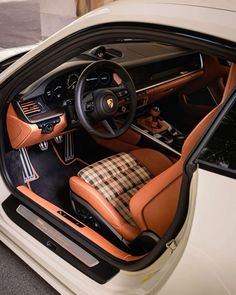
x: 154, y: 206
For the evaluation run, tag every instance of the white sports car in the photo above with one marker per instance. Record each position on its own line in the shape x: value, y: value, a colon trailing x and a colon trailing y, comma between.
x: 118, y: 151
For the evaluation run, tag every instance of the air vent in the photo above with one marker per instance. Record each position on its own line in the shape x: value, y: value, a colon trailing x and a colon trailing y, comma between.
x: 30, y: 108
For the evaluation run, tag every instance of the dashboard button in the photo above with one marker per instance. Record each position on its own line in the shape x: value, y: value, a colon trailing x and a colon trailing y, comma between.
x: 122, y: 93
x: 90, y: 106
x: 48, y: 128
x: 123, y: 109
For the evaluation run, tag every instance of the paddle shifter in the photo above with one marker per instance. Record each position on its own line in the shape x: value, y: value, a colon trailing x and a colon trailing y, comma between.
x: 155, y: 112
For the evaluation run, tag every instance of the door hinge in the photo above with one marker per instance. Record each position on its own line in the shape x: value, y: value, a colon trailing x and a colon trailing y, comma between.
x: 171, y: 245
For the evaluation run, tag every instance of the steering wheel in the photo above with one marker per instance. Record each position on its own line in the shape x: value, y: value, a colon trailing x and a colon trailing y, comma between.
x: 101, y: 106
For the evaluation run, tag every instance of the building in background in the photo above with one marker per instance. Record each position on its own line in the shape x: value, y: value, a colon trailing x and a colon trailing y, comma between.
x: 55, y: 14
x: 29, y: 21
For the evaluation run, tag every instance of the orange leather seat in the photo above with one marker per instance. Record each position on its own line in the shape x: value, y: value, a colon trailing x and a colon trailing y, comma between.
x: 108, y: 185
x: 152, y: 200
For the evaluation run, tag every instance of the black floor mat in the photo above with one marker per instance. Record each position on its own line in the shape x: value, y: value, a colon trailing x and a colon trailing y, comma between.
x: 14, y: 167
x: 87, y: 148
x: 53, y: 183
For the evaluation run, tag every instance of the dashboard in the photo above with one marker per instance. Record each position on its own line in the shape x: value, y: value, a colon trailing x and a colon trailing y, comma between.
x: 156, y: 70
x: 63, y: 87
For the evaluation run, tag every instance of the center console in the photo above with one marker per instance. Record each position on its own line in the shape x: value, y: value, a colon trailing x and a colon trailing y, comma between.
x: 154, y: 127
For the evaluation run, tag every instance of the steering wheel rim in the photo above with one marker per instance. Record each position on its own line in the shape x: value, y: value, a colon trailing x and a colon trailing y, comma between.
x: 101, y: 99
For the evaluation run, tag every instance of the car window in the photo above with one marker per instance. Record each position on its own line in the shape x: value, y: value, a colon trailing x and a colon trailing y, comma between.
x: 220, y: 150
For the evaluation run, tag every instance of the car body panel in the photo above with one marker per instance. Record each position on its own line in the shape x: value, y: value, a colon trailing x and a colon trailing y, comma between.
x: 223, y: 5
x: 64, y: 278
x: 68, y: 280
x: 208, y: 264
x: 195, y: 18
x: 11, y: 52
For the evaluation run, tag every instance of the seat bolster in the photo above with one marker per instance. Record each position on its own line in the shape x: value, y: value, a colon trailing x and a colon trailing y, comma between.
x: 198, y: 131
x: 153, y: 160
x: 101, y: 205
x: 154, y: 205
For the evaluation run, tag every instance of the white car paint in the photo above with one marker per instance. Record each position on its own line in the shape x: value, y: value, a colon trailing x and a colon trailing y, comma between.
x: 68, y: 280
x: 219, y: 20
x: 10, y: 52
x: 208, y: 265
x: 192, y: 272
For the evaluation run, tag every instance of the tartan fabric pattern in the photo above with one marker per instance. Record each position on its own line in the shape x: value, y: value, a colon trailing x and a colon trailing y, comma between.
x: 117, y: 178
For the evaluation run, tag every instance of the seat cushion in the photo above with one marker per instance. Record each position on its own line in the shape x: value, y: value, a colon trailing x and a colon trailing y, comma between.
x: 117, y: 179
x: 153, y: 160
x: 110, y: 184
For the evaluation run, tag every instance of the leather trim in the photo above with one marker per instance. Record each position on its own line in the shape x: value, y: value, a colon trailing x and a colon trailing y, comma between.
x: 154, y: 205
x: 22, y: 134
x: 86, y: 231
x: 146, y: 123
x: 153, y: 160
x: 63, y: 162
x: 199, y: 129
x: 124, y: 143
x: 195, y: 135
x: 165, y: 89
x: 231, y: 82
x: 92, y: 196
x: 163, y: 191
x: 130, y: 136
x: 116, y: 145
x: 214, y: 73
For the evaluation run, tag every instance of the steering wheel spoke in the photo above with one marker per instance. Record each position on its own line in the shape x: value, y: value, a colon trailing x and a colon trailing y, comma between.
x: 103, y: 104
x: 89, y: 106
x: 121, y: 91
x: 88, y: 102
x: 110, y: 125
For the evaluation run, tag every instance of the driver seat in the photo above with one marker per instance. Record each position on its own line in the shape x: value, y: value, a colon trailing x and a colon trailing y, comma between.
x: 108, y: 186
x: 138, y: 191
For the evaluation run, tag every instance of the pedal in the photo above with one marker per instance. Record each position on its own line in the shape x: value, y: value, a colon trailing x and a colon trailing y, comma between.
x: 69, y: 147
x: 58, y: 139
x: 29, y: 174
x: 43, y: 146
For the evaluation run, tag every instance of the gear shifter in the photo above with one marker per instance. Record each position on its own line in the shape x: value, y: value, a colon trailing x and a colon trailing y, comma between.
x: 152, y: 122
x: 155, y: 112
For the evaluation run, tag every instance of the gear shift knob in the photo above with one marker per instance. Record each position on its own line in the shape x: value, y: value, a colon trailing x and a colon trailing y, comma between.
x: 155, y: 112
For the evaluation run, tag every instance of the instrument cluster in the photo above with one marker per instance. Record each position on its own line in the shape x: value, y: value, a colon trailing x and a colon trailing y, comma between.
x: 63, y: 87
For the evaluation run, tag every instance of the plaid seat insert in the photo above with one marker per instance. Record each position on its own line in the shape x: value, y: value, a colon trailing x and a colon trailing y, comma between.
x: 117, y: 179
